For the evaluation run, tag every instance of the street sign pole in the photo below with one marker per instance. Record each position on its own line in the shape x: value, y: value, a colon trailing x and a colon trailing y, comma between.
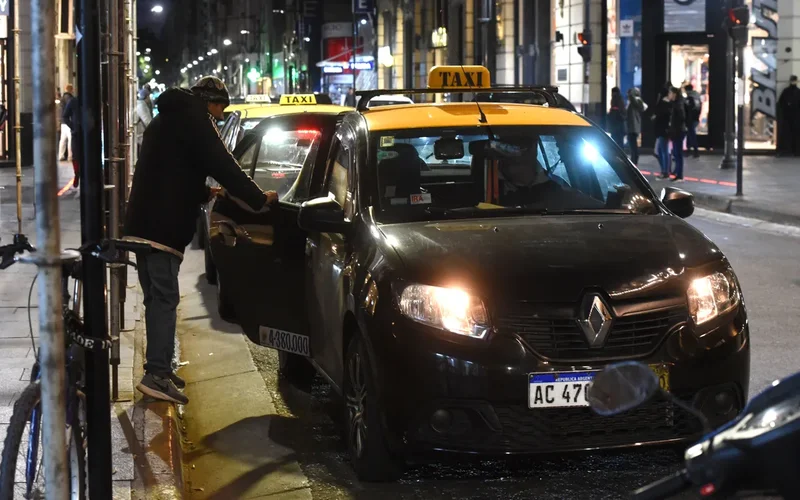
x: 740, y: 122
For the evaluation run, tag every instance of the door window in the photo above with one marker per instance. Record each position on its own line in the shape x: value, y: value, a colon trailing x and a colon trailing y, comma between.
x: 246, y: 160
x: 339, y: 177
x: 281, y: 158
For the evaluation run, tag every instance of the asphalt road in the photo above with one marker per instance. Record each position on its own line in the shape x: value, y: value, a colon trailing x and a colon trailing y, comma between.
x: 765, y: 259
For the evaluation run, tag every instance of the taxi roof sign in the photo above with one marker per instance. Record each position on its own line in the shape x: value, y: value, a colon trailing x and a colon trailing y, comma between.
x: 459, y: 77
x: 257, y: 98
x: 298, y: 99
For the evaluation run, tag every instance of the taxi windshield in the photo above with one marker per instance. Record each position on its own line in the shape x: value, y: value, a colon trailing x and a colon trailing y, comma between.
x: 438, y: 173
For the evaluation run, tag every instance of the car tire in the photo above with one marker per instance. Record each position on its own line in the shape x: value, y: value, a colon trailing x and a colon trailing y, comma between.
x: 211, y: 268
x: 224, y: 303
x: 295, y: 369
x: 364, y: 432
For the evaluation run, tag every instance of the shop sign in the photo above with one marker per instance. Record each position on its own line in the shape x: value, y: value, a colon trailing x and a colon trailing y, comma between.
x: 684, y: 16
x: 362, y: 6
x: 4, y: 7
x: 626, y: 28
x: 337, y: 30
x: 763, y: 96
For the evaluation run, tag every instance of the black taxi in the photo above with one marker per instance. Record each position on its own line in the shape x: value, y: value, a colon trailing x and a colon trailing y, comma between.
x: 458, y: 272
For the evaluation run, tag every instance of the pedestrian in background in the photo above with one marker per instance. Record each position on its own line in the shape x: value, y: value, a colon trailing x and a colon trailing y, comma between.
x: 662, y: 112
x: 693, y: 104
x: 633, y: 122
x: 677, y: 130
x: 144, y: 113
x: 789, y: 120
x: 350, y: 98
x: 65, y: 144
x: 72, y: 118
x: 181, y: 148
x: 615, y: 120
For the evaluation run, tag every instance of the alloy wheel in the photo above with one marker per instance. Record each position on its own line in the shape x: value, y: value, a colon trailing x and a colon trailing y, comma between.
x: 356, y: 400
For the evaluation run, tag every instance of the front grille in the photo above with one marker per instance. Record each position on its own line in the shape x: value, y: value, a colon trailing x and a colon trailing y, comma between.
x: 561, y: 339
x: 567, y: 429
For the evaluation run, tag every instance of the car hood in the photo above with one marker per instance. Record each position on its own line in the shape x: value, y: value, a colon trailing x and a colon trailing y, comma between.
x: 552, y: 258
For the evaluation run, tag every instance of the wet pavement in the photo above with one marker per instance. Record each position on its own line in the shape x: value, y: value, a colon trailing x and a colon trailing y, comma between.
x: 307, y: 417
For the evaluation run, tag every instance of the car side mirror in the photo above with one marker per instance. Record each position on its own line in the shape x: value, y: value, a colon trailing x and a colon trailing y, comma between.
x: 678, y: 201
x: 323, y: 215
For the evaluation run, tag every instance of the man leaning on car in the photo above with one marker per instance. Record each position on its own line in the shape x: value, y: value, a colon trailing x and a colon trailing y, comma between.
x: 181, y: 148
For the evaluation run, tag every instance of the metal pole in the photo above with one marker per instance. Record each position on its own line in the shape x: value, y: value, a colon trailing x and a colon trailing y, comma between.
x: 94, y: 309
x: 124, y: 105
x: 134, y: 83
x: 355, y: 42
x: 17, y: 124
x: 48, y: 237
x: 740, y: 123
x: 729, y: 160
x: 113, y: 161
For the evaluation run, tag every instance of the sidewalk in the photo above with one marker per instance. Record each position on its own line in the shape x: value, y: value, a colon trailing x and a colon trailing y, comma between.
x: 134, y: 428
x: 770, y: 186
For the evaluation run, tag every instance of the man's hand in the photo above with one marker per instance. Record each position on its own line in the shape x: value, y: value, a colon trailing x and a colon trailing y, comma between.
x: 272, y: 197
x: 214, y: 192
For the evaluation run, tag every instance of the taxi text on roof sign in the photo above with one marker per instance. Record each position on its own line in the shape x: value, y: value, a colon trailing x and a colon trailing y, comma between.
x: 257, y: 98
x: 299, y: 99
x: 458, y: 77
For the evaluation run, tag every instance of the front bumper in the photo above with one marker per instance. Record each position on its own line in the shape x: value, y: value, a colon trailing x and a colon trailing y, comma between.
x: 463, y: 395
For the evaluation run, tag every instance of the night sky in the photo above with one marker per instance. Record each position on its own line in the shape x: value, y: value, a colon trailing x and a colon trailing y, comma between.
x: 148, y: 20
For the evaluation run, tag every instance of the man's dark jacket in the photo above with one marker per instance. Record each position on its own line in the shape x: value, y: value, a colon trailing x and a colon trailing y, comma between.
x: 181, y: 147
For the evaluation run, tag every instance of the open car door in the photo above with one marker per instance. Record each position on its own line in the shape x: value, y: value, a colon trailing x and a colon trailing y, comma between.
x: 261, y: 257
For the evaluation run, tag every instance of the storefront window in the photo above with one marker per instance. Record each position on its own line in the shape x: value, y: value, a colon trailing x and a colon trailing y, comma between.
x: 612, y: 43
x: 689, y: 65
x: 498, y: 10
x: 761, y: 79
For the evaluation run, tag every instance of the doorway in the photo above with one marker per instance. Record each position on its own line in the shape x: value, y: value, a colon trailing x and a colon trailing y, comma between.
x: 689, y: 64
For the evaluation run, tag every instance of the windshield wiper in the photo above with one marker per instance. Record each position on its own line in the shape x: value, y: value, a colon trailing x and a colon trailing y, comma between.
x: 523, y: 210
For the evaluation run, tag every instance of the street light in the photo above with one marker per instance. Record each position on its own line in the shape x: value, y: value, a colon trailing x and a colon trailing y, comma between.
x: 363, y: 21
x: 214, y: 51
x: 244, y: 32
x: 147, y: 51
x: 208, y: 53
x: 157, y: 9
x: 147, y: 58
x: 158, y: 72
x: 226, y: 42
x: 195, y: 62
x: 307, y: 39
x: 200, y: 58
x: 189, y: 65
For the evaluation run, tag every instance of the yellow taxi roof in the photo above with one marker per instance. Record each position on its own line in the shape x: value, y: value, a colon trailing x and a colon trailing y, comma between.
x: 241, y: 106
x: 465, y: 114
x: 267, y: 110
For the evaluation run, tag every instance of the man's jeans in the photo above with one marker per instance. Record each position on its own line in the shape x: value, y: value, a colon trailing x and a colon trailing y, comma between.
x: 677, y: 154
x: 158, y: 276
x: 691, y: 137
x: 662, y: 153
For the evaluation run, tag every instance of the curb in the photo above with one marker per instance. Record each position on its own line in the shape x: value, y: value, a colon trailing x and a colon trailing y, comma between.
x: 735, y: 206
x: 159, y: 460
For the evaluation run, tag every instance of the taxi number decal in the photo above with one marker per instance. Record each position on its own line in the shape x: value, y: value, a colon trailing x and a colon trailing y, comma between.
x: 298, y: 99
x: 284, y: 341
x: 420, y: 199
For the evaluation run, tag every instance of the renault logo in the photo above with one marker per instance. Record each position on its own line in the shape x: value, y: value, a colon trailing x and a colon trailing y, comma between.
x: 595, y: 320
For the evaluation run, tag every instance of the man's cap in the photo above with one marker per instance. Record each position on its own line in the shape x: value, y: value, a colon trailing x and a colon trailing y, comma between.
x: 211, y: 89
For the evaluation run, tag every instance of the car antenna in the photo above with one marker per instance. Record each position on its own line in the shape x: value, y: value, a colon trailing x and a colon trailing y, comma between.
x: 482, y: 119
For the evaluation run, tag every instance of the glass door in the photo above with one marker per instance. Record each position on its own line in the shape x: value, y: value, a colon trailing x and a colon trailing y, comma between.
x: 689, y: 65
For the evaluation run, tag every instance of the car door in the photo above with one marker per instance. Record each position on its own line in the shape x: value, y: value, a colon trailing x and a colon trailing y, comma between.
x: 264, y: 253
x: 327, y: 260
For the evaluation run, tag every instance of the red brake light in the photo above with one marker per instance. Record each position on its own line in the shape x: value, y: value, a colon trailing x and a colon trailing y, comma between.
x: 307, y: 132
x: 708, y: 490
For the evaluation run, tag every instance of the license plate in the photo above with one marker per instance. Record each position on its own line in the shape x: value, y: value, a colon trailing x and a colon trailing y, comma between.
x: 284, y: 341
x: 559, y: 390
x: 570, y: 389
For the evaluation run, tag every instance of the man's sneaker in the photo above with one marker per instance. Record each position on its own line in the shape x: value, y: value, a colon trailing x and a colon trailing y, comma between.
x: 161, y: 388
x: 179, y: 382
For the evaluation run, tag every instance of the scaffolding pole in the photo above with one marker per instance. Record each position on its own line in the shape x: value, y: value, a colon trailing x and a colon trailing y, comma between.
x: 113, y: 160
x: 51, y: 322
x: 17, y: 124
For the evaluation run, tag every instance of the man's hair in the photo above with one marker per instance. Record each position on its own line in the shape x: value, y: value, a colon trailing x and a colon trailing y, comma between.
x: 689, y: 87
x: 793, y: 78
x: 69, y: 88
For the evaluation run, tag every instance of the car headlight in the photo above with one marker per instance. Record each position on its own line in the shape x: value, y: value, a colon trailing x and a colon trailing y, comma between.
x: 450, y: 309
x: 712, y: 295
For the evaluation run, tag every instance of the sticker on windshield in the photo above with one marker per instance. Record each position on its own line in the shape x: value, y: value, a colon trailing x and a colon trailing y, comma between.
x: 390, y: 191
x: 398, y: 201
x: 387, y: 141
x: 421, y: 199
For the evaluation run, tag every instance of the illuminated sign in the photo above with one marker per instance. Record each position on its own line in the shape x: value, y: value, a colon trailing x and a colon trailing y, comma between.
x: 298, y: 99
x: 458, y: 77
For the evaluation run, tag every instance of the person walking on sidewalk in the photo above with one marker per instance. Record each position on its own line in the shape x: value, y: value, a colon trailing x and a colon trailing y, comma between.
x: 633, y: 122
x: 789, y: 120
x: 72, y: 118
x: 693, y: 105
x: 65, y: 144
x: 144, y: 113
x: 677, y: 130
x: 661, y: 117
x: 181, y: 148
x: 615, y: 120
